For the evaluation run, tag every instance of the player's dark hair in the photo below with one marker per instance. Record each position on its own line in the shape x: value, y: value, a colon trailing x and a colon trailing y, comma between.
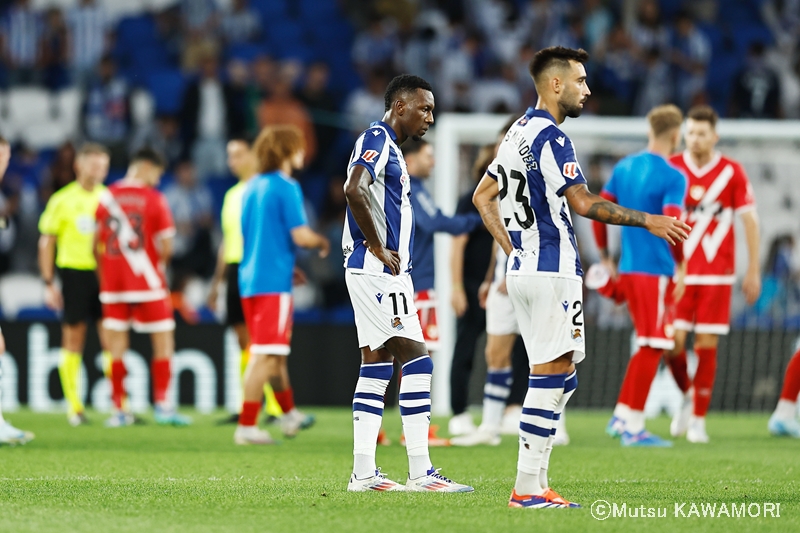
x: 554, y: 56
x: 704, y: 113
x: 149, y: 155
x: 245, y: 138
x: 401, y: 84
x: 411, y: 147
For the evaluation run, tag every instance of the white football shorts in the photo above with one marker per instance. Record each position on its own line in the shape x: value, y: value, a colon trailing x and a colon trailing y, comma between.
x: 550, y: 315
x: 384, y: 308
x: 500, y: 316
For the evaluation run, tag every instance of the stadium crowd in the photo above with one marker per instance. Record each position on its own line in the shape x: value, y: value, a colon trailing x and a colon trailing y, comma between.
x: 186, y: 78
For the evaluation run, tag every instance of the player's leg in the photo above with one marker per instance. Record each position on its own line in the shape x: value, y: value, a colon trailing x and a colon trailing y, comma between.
x: 256, y: 375
x: 685, y: 311
x: 73, y: 337
x: 553, y: 340
x: 116, y: 323
x: 784, y: 420
x: 8, y: 433
x: 519, y: 388
x: 469, y: 327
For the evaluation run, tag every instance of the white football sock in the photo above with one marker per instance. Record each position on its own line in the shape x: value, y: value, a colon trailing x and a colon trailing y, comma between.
x: 368, y: 415
x: 570, y: 385
x: 635, y: 422
x: 495, y: 393
x: 786, y: 410
x: 622, y: 411
x: 415, y: 411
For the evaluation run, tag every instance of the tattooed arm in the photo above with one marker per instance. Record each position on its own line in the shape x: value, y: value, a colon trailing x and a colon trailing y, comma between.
x: 485, y: 200
x: 597, y: 208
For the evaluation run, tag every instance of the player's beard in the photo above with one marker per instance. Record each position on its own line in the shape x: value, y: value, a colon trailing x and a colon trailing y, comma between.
x: 570, y: 110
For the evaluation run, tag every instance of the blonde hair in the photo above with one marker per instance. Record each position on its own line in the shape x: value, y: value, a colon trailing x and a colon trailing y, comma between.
x: 276, y: 144
x: 664, y: 118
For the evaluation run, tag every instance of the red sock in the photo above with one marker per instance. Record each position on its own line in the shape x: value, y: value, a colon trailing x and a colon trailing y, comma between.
x: 704, y: 379
x: 677, y: 366
x: 645, y: 370
x: 285, y: 399
x: 249, y: 413
x: 118, y: 373
x: 791, y: 380
x: 162, y: 372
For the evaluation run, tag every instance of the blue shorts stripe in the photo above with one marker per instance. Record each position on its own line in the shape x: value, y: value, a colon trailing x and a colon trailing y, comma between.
x: 377, y: 371
x: 538, y: 412
x: 571, y: 383
x: 405, y: 411
x: 415, y: 396
x: 358, y: 406
x: 534, y: 430
x: 368, y: 396
x: 546, y: 381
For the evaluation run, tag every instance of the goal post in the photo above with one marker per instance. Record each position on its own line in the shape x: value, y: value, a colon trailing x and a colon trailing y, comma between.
x: 769, y: 150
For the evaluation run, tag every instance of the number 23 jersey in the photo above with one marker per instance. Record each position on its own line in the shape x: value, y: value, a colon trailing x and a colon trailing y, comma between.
x: 130, y: 219
x: 535, y: 164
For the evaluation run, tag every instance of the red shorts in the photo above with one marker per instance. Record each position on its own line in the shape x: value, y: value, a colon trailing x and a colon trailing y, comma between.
x: 144, y: 317
x: 269, y: 322
x: 705, y: 309
x: 649, y: 299
x: 426, y: 310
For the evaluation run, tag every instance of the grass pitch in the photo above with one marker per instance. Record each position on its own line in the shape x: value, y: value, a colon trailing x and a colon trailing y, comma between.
x: 161, y: 479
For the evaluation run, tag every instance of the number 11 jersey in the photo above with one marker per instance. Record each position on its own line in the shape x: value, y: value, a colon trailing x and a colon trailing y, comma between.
x: 535, y: 164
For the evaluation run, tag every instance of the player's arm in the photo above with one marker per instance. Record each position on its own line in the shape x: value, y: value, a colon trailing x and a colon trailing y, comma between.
x: 483, y: 290
x: 165, y: 246
x: 592, y: 206
x: 305, y: 237
x: 219, y: 275
x: 356, y: 190
x: 751, y: 286
x: 427, y: 215
x: 47, y: 257
x: 458, y: 296
x: 484, y: 199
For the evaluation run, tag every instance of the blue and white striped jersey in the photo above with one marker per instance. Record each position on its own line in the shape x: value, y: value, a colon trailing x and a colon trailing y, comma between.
x: 535, y: 164
x: 376, y: 150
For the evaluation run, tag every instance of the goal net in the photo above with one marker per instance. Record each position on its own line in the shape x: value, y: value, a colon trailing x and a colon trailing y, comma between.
x: 753, y: 357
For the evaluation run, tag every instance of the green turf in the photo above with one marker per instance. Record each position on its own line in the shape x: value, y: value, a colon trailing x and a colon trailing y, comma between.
x: 159, y: 479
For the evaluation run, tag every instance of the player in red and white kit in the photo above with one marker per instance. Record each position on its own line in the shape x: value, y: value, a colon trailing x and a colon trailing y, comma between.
x: 133, y: 243
x: 718, y: 189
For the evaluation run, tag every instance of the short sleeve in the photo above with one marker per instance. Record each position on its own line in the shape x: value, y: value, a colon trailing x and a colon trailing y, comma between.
x: 49, y: 222
x: 371, y: 151
x: 610, y: 188
x: 294, y: 214
x: 674, y: 189
x: 743, y: 197
x: 491, y: 170
x: 560, y: 166
x: 164, y: 226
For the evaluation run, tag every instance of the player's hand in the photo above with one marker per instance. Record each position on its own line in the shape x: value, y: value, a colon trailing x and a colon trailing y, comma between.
x: 299, y: 277
x: 751, y: 286
x: 611, y: 266
x: 324, y: 248
x: 502, y: 288
x: 670, y: 229
x: 677, y: 292
x: 459, y: 301
x: 213, y: 295
x: 483, y: 293
x: 390, y: 258
x: 52, y: 298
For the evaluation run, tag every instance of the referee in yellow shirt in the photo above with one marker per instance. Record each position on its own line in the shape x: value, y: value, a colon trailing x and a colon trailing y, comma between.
x: 67, y: 226
x: 244, y: 165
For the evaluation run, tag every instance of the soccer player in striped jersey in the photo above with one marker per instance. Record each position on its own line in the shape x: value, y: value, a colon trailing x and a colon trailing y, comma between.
x: 648, y: 182
x: 274, y: 225
x: 536, y: 175
x: 67, y: 226
x: 8, y: 433
x: 378, y: 232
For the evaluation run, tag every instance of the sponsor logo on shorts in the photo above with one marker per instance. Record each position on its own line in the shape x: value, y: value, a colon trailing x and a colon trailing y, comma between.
x: 576, y: 335
x: 397, y: 324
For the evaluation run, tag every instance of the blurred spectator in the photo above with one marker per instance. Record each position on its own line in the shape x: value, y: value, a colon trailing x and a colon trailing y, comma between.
x: 656, y: 85
x: 649, y: 32
x: 60, y: 172
x: 281, y: 107
x: 497, y: 93
x: 783, y: 18
x: 192, y: 207
x: 263, y: 72
x: 365, y: 105
x: 328, y: 272
x: 163, y: 135
x: 376, y: 45
x: 88, y: 30
x: 618, y: 73
x: 211, y: 113
x: 240, y: 23
x: 540, y: 19
x: 463, y: 65
x: 199, y: 16
x: 425, y: 50
x: 597, y: 22
x: 106, y: 112
x: 55, y: 49
x: 691, y: 53
x: 756, y: 91
x: 572, y: 35
x: 22, y: 31
x: 322, y: 105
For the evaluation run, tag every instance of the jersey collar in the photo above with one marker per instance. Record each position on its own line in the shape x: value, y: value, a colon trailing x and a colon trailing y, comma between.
x: 540, y: 113
x: 387, y: 127
x: 700, y: 172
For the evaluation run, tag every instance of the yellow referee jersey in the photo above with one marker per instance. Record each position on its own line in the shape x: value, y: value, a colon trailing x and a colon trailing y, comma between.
x: 232, y: 223
x: 69, y: 216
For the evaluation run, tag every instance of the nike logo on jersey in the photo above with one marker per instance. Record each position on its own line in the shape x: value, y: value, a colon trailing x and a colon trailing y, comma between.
x: 560, y: 140
x: 565, y: 305
x: 379, y: 296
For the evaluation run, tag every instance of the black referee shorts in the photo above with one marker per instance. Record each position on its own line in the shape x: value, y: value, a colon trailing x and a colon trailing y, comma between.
x: 81, y: 292
x: 232, y: 298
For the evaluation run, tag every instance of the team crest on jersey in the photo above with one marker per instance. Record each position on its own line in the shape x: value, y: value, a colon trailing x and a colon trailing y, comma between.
x: 369, y: 155
x: 397, y: 324
x: 696, y: 192
x: 523, y: 121
x: 576, y: 335
x: 570, y: 170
